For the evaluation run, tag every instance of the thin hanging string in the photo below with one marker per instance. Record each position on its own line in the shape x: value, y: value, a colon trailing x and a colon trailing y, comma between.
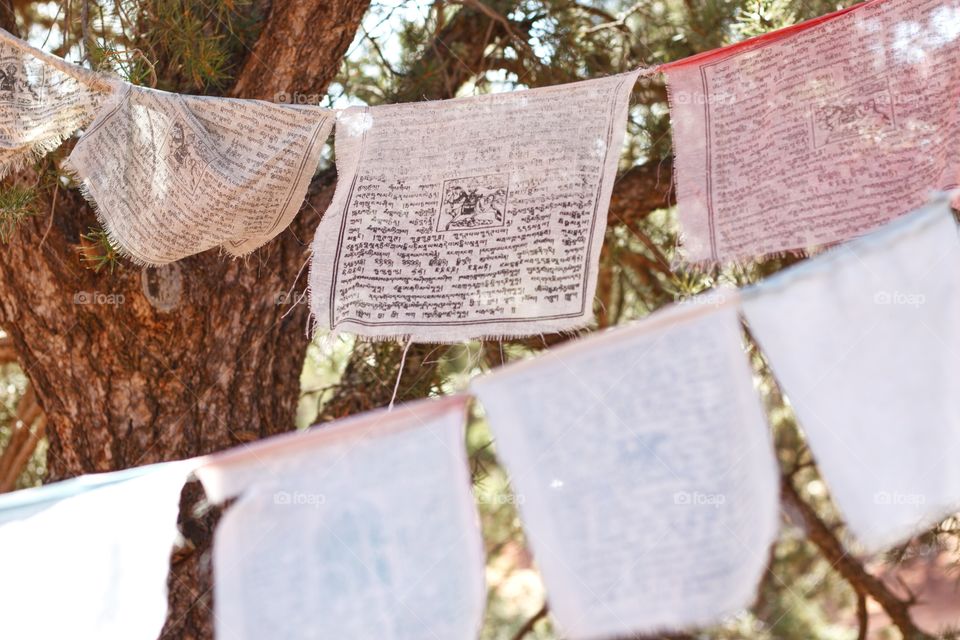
x: 303, y: 294
x: 294, y: 286
x: 396, y: 386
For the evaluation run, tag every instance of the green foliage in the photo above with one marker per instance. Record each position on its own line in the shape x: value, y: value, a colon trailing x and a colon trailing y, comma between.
x: 197, y: 42
x: 190, y: 46
x: 98, y: 252
x: 16, y: 205
x: 761, y: 16
x: 132, y: 65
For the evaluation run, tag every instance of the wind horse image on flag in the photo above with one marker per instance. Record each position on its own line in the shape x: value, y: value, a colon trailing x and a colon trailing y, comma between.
x: 473, y: 217
x: 173, y: 175
x: 816, y: 133
x: 42, y: 101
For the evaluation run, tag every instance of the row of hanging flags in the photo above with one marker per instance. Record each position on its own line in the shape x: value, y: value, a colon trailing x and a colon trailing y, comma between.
x: 483, y: 217
x: 640, y: 459
x: 648, y: 481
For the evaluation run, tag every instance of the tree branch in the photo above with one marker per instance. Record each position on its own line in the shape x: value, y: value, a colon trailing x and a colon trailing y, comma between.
x: 863, y: 620
x: 8, y: 17
x: 864, y: 583
x: 531, y: 623
x: 454, y: 56
x: 300, y: 48
x: 24, y: 437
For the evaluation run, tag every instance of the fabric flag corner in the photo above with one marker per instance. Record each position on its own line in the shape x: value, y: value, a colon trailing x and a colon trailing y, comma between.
x: 865, y: 342
x: 43, y: 101
x: 638, y: 453
x: 363, y: 528
x: 95, y: 550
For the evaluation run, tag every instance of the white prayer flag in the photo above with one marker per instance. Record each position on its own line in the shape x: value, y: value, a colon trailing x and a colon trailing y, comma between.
x: 467, y: 218
x: 94, y: 563
x: 174, y: 175
x: 365, y: 528
x: 816, y: 133
x: 644, y: 471
x: 43, y: 100
x: 865, y: 342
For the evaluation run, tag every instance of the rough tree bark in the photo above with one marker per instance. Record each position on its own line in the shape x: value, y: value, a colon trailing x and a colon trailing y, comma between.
x: 7, y: 17
x: 141, y: 366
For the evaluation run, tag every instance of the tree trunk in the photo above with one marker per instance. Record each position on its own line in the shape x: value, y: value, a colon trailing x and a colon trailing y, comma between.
x: 8, y: 19
x: 147, y: 365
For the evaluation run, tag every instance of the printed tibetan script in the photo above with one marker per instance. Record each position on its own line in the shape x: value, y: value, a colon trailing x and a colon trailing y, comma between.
x: 40, y: 104
x: 865, y: 342
x: 361, y: 529
x: 475, y: 217
x: 817, y: 135
x: 175, y: 175
x: 644, y: 471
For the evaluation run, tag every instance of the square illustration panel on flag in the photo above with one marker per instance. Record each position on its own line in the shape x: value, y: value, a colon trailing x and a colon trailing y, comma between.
x: 474, y: 203
x: 467, y: 218
x: 865, y: 342
x: 816, y: 133
x: 173, y: 175
x: 643, y: 471
x: 363, y: 528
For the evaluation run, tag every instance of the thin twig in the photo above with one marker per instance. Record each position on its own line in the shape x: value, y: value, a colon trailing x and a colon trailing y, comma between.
x: 85, y: 30
x: 863, y: 620
x: 620, y: 22
x: 531, y: 623
x: 849, y: 568
x: 137, y: 52
x: 53, y: 208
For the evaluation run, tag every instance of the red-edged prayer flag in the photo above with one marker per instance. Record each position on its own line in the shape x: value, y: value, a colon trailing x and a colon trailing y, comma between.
x: 816, y: 133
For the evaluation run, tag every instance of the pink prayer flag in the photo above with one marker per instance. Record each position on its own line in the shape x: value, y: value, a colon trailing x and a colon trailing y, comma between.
x: 816, y: 133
